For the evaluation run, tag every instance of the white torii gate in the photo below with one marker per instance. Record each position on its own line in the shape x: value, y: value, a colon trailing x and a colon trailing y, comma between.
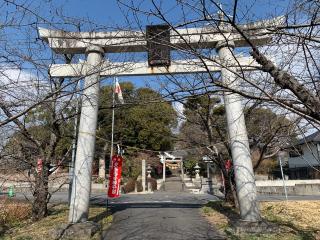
x: 95, y: 44
x: 169, y: 158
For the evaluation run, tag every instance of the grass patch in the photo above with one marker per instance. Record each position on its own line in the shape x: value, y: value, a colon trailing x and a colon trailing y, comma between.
x: 297, y: 220
x: 12, y: 213
x: 27, y: 230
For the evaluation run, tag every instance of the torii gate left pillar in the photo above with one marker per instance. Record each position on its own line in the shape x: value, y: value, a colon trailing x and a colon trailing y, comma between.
x: 81, y: 182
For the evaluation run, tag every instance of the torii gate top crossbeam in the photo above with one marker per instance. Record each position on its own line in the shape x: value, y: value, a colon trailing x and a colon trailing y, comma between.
x: 134, y: 41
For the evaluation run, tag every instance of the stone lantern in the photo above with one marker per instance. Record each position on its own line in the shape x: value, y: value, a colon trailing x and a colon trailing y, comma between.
x: 197, y: 170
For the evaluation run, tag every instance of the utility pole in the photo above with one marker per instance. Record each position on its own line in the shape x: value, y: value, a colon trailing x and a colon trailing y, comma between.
x: 280, y: 156
x: 81, y: 183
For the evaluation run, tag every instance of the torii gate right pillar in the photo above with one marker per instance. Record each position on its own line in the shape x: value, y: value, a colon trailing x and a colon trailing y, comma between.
x: 244, y: 175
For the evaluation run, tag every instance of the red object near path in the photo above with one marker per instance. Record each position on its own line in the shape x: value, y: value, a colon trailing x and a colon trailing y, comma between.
x: 115, y: 176
x: 39, y: 165
x: 228, y: 165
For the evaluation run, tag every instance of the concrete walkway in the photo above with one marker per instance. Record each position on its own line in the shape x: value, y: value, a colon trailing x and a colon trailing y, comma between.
x: 173, y: 184
x: 162, y: 215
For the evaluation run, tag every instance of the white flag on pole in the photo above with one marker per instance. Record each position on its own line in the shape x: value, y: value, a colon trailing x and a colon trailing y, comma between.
x: 117, y: 90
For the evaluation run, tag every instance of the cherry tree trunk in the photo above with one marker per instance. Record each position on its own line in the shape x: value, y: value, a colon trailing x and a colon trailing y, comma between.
x: 40, y: 194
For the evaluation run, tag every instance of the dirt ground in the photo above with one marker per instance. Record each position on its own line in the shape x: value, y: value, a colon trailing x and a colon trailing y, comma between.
x: 302, y: 214
x: 294, y: 219
x: 15, y: 223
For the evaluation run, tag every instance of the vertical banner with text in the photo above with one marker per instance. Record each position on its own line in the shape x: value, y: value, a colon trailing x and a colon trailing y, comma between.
x: 115, y: 176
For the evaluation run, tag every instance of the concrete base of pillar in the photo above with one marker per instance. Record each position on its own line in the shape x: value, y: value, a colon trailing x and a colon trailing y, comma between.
x: 242, y: 226
x: 149, y: 187
x: 197, y: 182
x: 163, y: 186
x: 136, y: 187
x: 209, y: 187
x: 82, y: 230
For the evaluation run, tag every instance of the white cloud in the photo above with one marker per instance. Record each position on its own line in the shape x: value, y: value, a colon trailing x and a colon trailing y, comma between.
x: 179, y: 108
x: 20, y: 87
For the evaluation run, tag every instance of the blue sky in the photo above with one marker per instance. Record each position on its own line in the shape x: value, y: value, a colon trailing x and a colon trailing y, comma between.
x: 106, y: 15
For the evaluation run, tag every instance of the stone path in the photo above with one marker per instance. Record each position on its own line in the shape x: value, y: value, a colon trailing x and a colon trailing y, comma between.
x: 173, y: 184
x: 162, y: 215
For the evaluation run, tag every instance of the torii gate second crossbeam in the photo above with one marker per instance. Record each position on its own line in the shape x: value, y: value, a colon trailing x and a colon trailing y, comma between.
x: 96, y: 44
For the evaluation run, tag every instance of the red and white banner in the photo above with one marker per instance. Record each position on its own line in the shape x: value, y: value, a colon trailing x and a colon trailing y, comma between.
x: 115, y: 176
x: 117, y: 90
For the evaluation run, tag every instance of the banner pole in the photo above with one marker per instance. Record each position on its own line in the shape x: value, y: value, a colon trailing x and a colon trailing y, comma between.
x: 112, y: 127
x: 115, y: 165
x: 112, y: 123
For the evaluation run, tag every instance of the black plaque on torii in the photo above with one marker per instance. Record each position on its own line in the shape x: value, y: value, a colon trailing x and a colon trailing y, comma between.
x: 158, y: 45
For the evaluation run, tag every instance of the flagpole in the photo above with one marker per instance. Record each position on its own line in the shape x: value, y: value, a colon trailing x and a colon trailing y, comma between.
x: 112, y: 123
x: 116, y: 89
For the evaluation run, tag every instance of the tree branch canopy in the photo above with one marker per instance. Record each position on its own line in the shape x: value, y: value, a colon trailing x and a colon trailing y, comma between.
x: 286, y: 81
